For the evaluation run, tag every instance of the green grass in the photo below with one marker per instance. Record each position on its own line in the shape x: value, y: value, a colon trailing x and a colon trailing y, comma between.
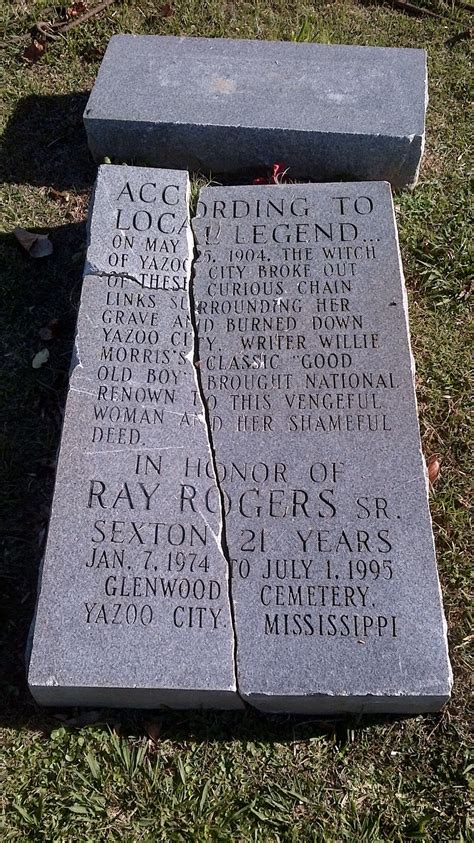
x: 80, y: 776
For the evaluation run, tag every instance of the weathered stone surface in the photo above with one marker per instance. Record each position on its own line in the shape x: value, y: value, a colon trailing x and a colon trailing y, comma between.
x: 133, y: 608
x: 306, y: 365
x: 220, y: 105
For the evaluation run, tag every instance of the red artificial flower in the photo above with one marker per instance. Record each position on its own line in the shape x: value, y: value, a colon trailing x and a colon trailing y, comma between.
x: 277, y: 175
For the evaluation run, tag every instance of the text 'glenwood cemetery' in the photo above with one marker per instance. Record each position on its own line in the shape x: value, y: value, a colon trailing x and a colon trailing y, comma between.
x: 241, y: 510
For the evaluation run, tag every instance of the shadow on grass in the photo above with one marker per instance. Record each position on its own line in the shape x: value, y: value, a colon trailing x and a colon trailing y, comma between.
x: 45, y: 143
x: 33, y: 295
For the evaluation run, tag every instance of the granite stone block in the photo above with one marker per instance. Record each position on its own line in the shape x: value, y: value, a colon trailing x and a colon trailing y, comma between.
x: 229, y: 106
x: 133, y: 607
x: 306, y: 367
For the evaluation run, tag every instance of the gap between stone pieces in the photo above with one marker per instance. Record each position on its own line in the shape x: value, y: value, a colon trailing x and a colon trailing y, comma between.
x: 207, y: 424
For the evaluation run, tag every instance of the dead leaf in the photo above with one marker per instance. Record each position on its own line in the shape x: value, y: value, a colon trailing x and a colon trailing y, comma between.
x: 40, y: 359
x: 466, y: 34
x: 33, y: 52
x: 37, y: 245
x: 166, y: 10
x: 61, y: 196
x: 433, y: 466
x: 92, y: 53
x: 83, y: 718
x: 153, y: 730
x: 76, y: 9
x: 50, y: 331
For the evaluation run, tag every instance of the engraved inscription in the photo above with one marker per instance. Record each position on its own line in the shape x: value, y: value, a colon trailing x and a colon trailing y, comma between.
x: 301, y: 361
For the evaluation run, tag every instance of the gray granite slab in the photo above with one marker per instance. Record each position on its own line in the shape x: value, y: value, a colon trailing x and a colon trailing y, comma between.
x: 221, y: 105
x: 306, y: 366
x: 133, y: 607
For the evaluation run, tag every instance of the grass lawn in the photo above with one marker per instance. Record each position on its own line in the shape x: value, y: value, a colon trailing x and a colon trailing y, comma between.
x: 124, y: 776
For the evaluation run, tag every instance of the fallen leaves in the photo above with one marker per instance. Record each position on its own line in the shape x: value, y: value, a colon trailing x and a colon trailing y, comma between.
x: 37, y: 245
x: 45, y: 31
x: 153, y: 730
x: 33, y: 52
x: 51, y: 331
x: 433, y: 466
x: 82, y: 718
x: 61, y: 196
x: 465, y: 35
x: 40, y: 358
x: 48, y: 332
x: 76, y: 9
x: 166, y: 10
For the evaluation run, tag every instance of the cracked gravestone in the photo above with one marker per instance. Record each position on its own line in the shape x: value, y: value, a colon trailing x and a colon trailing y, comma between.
x: 307, y: 370
x: 133, y: 608
x: 223, y: 105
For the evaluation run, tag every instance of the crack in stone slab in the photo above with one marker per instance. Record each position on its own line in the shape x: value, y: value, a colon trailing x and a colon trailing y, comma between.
x: 240, y: 650
x: 192, y: 240
x: 91, y: 271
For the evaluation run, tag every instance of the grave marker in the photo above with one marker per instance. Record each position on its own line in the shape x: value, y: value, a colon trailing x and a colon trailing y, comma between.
x: 133, y: 608
x: 306, y: 366
x: 229, y: 106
